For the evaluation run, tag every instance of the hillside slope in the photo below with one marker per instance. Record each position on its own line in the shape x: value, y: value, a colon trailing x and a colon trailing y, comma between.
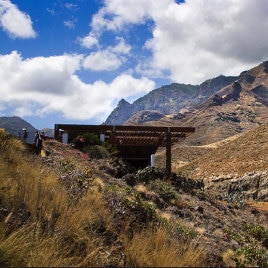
x: 246, y: 153
x: 72, y: 211
x: 240, y: 162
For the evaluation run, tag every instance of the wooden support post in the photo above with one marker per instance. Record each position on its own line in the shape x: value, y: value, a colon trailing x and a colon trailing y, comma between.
x: 113, y: 136
x: 56, y: 133
x: 168, y: 151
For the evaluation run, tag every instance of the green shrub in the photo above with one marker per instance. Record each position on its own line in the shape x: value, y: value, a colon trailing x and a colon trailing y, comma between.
x: 91, y: 139
x: 150, y: 173
x: 164, y: 190
x: 96, y: 151
x: 256, y: 231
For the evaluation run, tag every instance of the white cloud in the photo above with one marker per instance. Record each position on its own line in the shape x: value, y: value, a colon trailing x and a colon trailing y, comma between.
x: 189, y: 43
x: 195, y: 40
x: 92, y: 100
x: 15, y: 22
x: 109, y: 59
x: 116, y: 14
x: 47, y: 85
x: 88, y: 41
x: 202, y: 39
x: 121, y: 47
x: 102, y: 60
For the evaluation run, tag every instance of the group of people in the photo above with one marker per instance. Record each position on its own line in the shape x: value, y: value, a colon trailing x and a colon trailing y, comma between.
x: 38, y: 140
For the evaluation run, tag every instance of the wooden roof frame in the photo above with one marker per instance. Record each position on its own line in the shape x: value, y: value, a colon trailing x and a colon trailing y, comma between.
x: 151, y: 137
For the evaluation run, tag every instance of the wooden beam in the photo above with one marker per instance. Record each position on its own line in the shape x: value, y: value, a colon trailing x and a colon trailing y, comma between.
x: 71, y: 127
x: 168, y: 152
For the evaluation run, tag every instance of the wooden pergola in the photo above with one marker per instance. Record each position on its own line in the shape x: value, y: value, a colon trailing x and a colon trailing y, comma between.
x: 134, y: 143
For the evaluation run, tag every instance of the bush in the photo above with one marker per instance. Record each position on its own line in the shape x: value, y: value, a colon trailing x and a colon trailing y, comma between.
x: 164, y: 190
x: 150, y: 173
x: 91, y: 139
x: 96, y: 151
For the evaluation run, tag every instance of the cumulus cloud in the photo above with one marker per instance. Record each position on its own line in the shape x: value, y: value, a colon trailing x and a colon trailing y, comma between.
x: 102, y: 60
x: 209, y: 38
x: 195, y: 40
x: 98, y: 98
x: 122, y: 47
x: 15, y: 22
x: 47, y: 85
x: 88, y: 41
x: 108, y: 59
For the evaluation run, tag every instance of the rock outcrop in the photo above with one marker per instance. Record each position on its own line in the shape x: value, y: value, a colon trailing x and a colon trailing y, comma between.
x: 251, y: 186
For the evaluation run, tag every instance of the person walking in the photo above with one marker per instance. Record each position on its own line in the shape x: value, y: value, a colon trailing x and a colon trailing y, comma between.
x: 37, y: 143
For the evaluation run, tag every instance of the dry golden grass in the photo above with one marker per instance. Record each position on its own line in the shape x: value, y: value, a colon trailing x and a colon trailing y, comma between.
x: 154, y: 248
x: 43, y: 227
x: 259, y: 205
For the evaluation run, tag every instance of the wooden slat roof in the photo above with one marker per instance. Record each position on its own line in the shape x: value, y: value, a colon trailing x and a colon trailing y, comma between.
x: 131, y: 135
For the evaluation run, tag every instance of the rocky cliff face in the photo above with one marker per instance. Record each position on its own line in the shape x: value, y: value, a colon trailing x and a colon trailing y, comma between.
x: 143, y: 117
x: 208, y: 89
x: 168, y: 99
x: 250, y: 186
x: 120, y: 114
x: 165, y: 100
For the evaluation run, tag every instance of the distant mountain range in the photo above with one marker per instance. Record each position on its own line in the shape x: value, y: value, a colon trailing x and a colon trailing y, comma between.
x: 218, y: 108
x: 168, y: 99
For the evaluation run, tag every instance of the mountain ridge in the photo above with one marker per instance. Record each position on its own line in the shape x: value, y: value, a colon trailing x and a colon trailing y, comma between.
x: 168, y: 99
x: 234, y: 108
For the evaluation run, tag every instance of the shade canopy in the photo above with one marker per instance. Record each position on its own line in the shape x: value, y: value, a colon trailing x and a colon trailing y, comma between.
x: 135, y: 143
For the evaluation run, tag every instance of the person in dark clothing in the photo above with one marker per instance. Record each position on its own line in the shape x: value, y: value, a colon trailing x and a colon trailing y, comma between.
x: 37, y: 143
x: 25, y: 134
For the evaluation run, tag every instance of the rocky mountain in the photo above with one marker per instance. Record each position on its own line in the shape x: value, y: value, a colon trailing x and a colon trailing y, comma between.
x: 168, y: 99
x: 208, y: 88
x: 144, y: 116
x: 234, y: 108
x: 120, y: 114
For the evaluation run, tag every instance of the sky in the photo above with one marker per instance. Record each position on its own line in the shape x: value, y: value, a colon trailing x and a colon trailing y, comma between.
x: 71, y: 62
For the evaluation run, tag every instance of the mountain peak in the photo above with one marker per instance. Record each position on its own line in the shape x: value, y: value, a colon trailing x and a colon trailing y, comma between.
x: 122, y: 102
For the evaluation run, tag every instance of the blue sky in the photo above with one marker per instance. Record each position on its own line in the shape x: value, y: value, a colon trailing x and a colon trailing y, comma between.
x: 72, y: 61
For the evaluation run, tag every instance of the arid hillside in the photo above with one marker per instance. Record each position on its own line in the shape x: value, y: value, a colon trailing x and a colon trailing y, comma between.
x: 236, y: 155
x: 62, y: 208
x: 239, y: 162
x: 246, y: 153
